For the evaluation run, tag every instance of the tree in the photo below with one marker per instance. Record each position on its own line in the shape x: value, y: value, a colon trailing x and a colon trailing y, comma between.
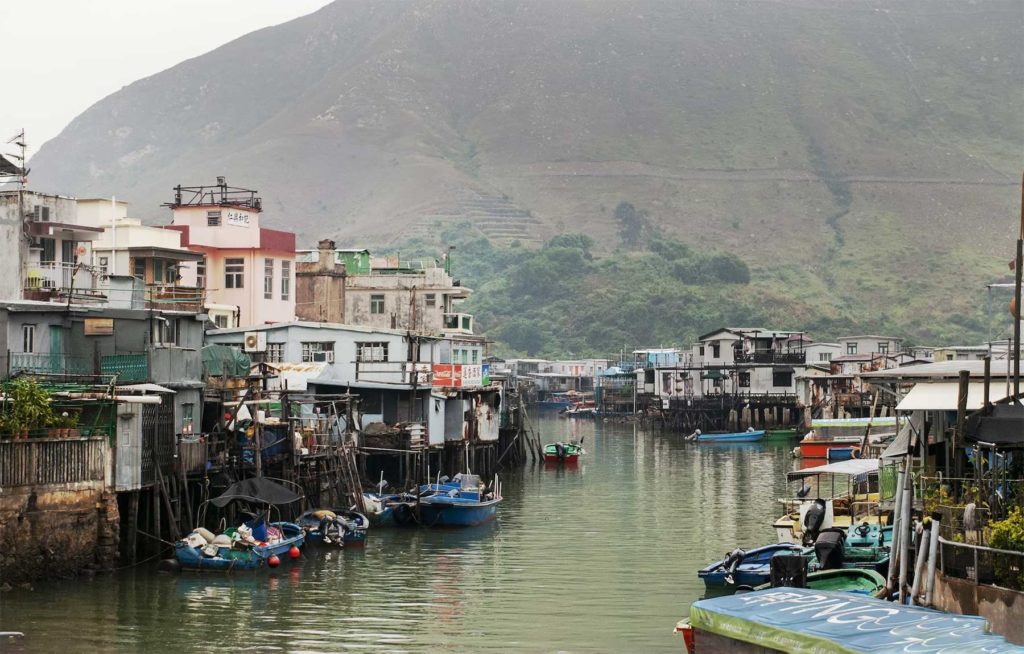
x: 632, y: 223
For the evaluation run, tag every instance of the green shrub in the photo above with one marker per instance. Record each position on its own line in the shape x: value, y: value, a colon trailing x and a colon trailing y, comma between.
x: 1008, y: 534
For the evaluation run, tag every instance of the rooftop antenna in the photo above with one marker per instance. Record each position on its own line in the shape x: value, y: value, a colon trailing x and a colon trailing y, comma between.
x: 19, y: 141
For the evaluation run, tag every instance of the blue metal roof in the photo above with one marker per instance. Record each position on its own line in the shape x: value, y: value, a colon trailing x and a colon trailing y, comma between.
x: 801, y: 620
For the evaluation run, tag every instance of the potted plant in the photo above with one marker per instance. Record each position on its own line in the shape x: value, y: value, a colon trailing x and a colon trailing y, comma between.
x: 30, y: 409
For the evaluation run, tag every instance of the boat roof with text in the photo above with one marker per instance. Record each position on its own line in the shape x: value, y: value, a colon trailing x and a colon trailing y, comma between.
x: 802, y: 621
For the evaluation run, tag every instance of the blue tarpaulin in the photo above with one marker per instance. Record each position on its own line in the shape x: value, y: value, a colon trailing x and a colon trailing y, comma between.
x: 801, y: 621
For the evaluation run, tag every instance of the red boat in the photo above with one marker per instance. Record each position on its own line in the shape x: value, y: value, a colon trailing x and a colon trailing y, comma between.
x: 562, y: 453
x: 841, y: 435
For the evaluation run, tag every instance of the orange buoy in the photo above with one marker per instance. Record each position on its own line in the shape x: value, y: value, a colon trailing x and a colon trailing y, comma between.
x: 294, y: 552
x: 273, y: 561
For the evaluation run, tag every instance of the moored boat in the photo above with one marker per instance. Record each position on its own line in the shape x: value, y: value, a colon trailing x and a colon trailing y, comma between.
x: 781, y: 434
x: 749, y: 436
x: 322, y: 528
x: 228, y: 552
x: 829, y: 622
x: 843, y: 435
x: 745, y: 567
x: 462, y: 502
x: 356, y: 527
x: 847, y: 580
x: 562, y: 452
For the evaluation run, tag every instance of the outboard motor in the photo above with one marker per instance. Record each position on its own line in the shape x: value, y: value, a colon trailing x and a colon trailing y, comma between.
x: 828, y: 547
x: 813, y: 520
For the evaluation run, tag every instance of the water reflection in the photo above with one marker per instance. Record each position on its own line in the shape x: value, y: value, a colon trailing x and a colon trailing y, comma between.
x: 597, y: 557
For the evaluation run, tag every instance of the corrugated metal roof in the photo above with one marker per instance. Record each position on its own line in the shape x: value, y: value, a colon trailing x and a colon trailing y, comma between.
x: 943, y: 396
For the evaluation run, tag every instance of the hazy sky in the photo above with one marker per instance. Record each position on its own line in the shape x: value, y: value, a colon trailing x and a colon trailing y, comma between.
x: 59, y: 57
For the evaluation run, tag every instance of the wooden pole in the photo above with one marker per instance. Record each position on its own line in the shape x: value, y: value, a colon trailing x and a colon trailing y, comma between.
x: 988, y: 382
x: 961, y: 419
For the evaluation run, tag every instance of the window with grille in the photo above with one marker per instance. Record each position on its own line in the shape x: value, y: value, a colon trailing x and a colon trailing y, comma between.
x: 268, y: 279
x: 376, y: 304
x: 744, y: 380
x: 234, y: 273
x: 286, y: 280
x: 275, y: 352
x: 431, y: 299
x: 318, y: 351
x: 371, y: 352
x: 213, y: 219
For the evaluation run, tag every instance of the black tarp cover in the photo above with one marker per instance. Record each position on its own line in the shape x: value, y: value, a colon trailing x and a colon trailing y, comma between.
x: 1004, y: 427
x: 258, y: 491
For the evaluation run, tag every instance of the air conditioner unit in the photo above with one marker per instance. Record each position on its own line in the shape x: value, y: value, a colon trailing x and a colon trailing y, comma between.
x: 255, y: 341
x: 323, y: 357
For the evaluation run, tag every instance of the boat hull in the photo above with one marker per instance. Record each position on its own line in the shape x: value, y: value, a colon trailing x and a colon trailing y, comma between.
x: 854, y: 580
x: 753, y: 570
x: 445, y: 514
x: 227, y: 560
x: 738, y: 437
x: 819, y: 449
x: 567, y: 459
x: 780, y: 435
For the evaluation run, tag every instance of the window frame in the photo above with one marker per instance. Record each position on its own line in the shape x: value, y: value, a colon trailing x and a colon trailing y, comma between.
x: 234, y: 272
x: 28, y: 338
x: 213, y: 218
x: 275, y: 353
x: 371, y: 351
x: 377, y: 303
x: 286, y: 280
x: 310, y: 348
x: 851, y: 348
x: 268, y: 279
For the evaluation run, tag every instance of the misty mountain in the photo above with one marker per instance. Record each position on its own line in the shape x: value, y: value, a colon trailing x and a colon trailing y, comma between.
x: 854, y: 154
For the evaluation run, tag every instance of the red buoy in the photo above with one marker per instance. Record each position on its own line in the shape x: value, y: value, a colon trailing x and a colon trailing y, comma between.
x: 273, y: 561
x: 294, y: 552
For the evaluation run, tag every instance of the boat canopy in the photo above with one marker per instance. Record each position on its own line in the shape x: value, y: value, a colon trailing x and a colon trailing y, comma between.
x: 850, y: 467
x: 804, y: 620
x: 258, y: 490
x: 942, y: 396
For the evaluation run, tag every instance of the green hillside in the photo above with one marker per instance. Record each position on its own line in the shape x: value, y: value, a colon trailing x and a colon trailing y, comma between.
x: 861, y: 158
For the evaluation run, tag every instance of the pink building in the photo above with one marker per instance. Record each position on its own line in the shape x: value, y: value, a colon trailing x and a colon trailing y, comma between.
x: 248, y: 271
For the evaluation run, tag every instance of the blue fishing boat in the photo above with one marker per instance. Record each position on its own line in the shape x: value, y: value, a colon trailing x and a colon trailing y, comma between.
x: 869, y: 534
x: 224, y: 554
x: 750, y: 436
x: 379, y: 509
x: 334, y: 528
x: 253, y: 544
x: 460, y: 502
x: 746, y: 567
x: 356, y: 527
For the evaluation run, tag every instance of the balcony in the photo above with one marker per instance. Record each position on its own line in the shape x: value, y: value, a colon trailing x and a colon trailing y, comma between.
x: 769, y: 357
x: 457, y: 323
x: 175, y: 298
x: 56, y: 277
x: 127, y: 367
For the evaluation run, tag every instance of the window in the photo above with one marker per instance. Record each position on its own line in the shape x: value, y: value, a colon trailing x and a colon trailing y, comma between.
x: 476, y: 358
x: 851, y: 348
x: 268, y: 279
x: 49, y: 253
x: 465, y: 356
x: 28, y: 338
x: 275, y: 352
x: 782, y: 378
x: 883, y: 348
x: 234, y: 273
x: 319, y: 351
x: 221, y: 321
x: 187, y: 418
x: 158, y: 271
x: 139, y: 268
x: 166, y: 332
x: 201, y: 272
x: 744, y: 380
x: 367, y: 352
x: 376, y: 304
x: 700, y: 350
x: 824, y: 356
x: 949, y: 357
x: 213, y: 218
x: 286, y: 280
x: 716, y: 350
x: 104, y: 262
x: 431, y: 299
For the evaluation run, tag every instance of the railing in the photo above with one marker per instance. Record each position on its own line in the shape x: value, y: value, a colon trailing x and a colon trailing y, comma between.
x: 174, y: 298
x: 983, y: 565
x: 771, y: 357
x: 52, y: 461
x: 458, y: 322
x: 56, y: 275
x: 127, y: 367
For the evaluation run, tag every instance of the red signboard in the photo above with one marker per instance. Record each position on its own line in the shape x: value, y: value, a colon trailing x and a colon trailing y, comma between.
x: 448, y: 375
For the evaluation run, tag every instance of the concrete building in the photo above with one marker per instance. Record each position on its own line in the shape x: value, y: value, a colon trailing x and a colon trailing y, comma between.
x: 748, y: 361
x: 871, y: 344
x: 48, y: 248
x: 351, y: 287
x: 243, y: 265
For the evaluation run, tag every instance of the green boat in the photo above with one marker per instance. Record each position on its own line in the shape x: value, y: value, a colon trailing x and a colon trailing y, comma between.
x: 850, y: 580
x: 782, y: 434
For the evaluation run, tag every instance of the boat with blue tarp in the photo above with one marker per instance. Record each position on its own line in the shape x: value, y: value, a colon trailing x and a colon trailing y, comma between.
x: 805, y: 621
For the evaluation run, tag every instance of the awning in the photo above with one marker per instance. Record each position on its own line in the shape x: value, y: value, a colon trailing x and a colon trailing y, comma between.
x: 850, y: 467
x: 942, y: 396
x: 900, y: 446
x: 144, y: 388
x: 257, y: 490
x: 711, y: 374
